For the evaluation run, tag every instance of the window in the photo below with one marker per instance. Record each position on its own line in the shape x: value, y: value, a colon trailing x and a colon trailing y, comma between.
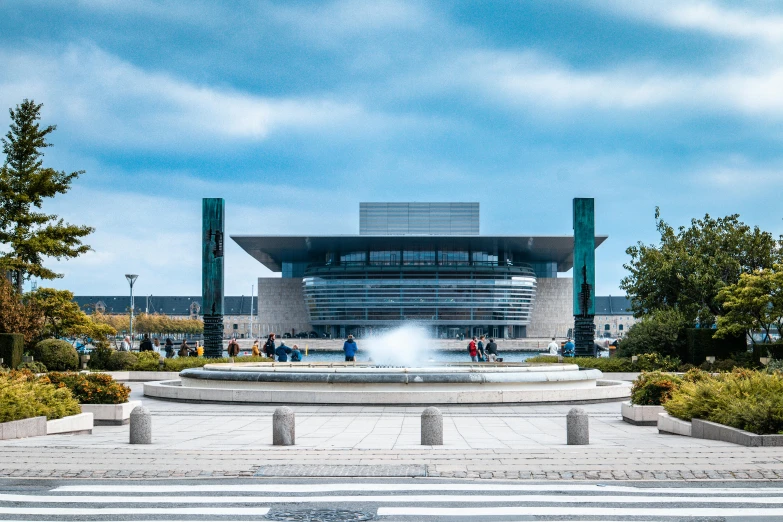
x: 452, y: 257
x: 352, y: 258
x: 620, y: 328
x: 418, y: 257
x: 607, y: 327
x: 484, y: 258
x: 385, y: 257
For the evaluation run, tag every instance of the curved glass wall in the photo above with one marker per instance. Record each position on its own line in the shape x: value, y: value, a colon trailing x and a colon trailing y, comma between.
x: 385, y: 294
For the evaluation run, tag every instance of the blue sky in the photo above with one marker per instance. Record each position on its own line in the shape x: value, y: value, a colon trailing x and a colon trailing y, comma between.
x: 294, y: 112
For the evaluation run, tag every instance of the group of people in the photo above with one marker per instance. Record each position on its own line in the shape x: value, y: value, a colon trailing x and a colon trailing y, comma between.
x: 167, y: 349
x: 479, y: 352
x: 566, y: 351
x: 281, y: 352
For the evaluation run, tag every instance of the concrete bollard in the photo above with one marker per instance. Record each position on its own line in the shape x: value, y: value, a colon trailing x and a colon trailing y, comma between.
x: 577, y: 427
x: 283, y: 427
x: 431, y: 427
x: 140, y: 426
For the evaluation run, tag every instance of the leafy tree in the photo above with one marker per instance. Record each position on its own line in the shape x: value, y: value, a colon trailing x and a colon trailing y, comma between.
x: 753, y: 303
x: 690, y: 266
x: 63, y: 317
x: 18, y: 315
x: 659, y: 332
x: 25, y: 183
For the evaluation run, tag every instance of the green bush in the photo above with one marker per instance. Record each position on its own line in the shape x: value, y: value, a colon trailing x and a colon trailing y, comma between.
x: 11, y: 349
x: 94, y: 388
x: 100, y: 357
x: 645, y: 362
x: 653, y: 388
x: 147, y: 362
x: 775, y: 365
x: 35, y: 367
x: 22, y: 396
x: 700, y: 343
x: 180, y: 363
x: 121, y: 361
x: 659, y: 332
x: 57, y: 355
x: 745, y: 399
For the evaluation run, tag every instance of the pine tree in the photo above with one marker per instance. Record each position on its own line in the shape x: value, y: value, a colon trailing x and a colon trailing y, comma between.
x: 28, y: 234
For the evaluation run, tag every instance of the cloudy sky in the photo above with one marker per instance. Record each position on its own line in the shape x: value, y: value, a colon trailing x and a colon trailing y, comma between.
x: 294, y: 112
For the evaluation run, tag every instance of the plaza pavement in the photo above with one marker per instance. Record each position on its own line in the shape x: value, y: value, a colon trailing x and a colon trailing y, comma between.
x: 491, y: 442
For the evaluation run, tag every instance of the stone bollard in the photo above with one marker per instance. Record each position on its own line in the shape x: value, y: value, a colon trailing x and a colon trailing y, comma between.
x: 431, y: 427
x: 140, y: 426
x: 283, y: 427
x: 577, y: 427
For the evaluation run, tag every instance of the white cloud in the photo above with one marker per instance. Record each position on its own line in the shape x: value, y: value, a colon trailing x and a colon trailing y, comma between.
x: 110, y: 101
x: 534, y: 81
x: 705, y: 16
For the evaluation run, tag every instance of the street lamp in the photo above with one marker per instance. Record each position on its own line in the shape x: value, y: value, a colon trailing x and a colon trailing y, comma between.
x: 131, y: 279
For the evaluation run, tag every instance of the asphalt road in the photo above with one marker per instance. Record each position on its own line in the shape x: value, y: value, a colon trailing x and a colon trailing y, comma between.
x: 353, y: 499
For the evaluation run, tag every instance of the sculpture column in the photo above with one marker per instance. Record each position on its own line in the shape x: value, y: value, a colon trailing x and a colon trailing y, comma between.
x: 213, y: 223
x: 584, y: 276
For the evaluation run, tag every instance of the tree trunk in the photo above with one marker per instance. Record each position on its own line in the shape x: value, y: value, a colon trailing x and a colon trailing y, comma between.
x: 19, y: 275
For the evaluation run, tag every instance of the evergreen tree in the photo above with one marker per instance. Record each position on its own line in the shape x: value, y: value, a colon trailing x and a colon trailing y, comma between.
x: 29, y: 234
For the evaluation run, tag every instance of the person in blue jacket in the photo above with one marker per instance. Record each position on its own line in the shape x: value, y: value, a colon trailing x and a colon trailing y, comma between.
x: 282, y: 352
x: 568, y: 349
x: 350, y: 349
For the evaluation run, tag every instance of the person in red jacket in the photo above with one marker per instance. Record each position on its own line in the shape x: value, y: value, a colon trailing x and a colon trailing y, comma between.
x: 473, y: 350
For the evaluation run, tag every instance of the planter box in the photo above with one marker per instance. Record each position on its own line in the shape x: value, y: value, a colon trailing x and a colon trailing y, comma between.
x: 673, y: 425
x: 641, y: 415
x: 73, y: 424
x: 713, y: 431
x: 19, y: 429
x: 110, y: 414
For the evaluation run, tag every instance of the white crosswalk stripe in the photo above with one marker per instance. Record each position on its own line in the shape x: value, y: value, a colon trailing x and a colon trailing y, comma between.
x: 415, y: 500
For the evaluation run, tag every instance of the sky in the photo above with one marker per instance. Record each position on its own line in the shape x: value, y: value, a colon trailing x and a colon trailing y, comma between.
x: 295, y: 112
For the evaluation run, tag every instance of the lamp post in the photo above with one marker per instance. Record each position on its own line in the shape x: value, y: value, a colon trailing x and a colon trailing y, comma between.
x: 131, y: 279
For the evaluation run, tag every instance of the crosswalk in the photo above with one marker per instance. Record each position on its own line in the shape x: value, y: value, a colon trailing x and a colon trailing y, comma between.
x: 354, y: 499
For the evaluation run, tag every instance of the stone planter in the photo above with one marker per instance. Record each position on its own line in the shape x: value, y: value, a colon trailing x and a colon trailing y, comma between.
x: 74, y: 424
x: 713, y: 431
x: 673, y: 425
x: 27, y: 358
x: 640, y: 415
x: 110, y: 414
x: 19, y: 429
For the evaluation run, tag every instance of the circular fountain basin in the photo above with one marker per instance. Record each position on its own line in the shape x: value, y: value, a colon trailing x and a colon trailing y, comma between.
x: 366, y: 383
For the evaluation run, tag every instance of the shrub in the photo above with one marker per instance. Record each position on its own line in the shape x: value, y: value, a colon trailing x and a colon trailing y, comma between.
x: 147, y: 362
x: 35, y: 367
x: 22, y: 396
x: 653, y: 388
x: 646, y: 362
x: 659, y: 332
x: 685, y: 367
x: 745, y: 399
x: 11, y: 349
x: 57, y: 355
x: 92, y: 388
x: 100, y: 357
x: 121, y: 361
x: 775, y: 365
x: 181, y: 363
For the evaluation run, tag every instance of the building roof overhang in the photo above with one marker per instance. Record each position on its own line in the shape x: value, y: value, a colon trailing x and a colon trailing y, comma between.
x: 273, y: 251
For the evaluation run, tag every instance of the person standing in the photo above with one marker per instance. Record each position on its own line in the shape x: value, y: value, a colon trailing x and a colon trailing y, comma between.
x: 233, y: 348
x: 553, y: 347
x: 269, y: 346
x: 156, y: 345
x: 255, y: 352
x: 184, y: 349
x: 125, y: 346
x: 473, y: 350
x: 480, y: 349
x: 492, y: 351
x: 282, y: 352
x: 146, y: 344
x: 169, y: 348
x: 350, y: 349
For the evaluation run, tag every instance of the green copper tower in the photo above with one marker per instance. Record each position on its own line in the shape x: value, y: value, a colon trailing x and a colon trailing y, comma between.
x: 212, y: 278
x: 584, y: 276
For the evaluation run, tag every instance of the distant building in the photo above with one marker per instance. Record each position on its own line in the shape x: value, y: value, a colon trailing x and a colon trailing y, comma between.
x: 613, y: 316
x: 237, y: 318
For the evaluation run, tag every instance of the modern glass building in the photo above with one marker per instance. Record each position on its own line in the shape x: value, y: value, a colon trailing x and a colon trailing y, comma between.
x: 422, y: 262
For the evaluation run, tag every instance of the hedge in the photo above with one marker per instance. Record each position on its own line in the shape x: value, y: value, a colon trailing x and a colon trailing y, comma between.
x: 11, y: 349
x: 96, y: 388
x: 699, y: 343
x: 645, y: 362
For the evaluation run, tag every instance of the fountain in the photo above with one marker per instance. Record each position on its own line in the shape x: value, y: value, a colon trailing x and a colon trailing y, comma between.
x: 399, y: 372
